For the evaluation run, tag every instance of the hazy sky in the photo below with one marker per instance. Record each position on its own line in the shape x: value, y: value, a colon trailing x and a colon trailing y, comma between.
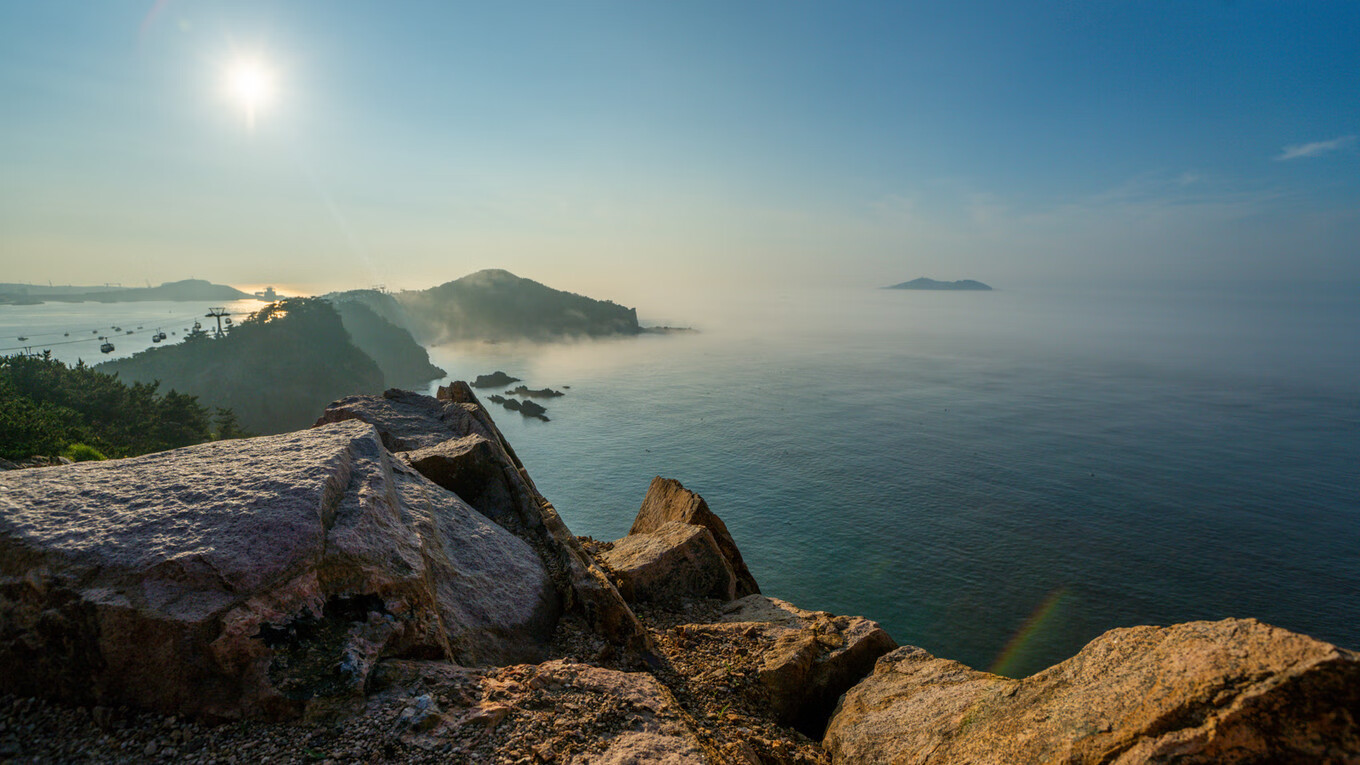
x: 611, y: 147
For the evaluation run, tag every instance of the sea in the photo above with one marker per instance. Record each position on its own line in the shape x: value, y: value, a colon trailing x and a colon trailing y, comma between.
x: 998, y: 477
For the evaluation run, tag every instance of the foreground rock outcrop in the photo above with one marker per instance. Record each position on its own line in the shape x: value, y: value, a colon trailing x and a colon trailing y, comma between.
x: 252, y: 578
x: 806, y: 659
x: 668, y: 501
x: 390, y: 586
x: 676, y: 561
x: 1229, y: 691
x: 453, y: 441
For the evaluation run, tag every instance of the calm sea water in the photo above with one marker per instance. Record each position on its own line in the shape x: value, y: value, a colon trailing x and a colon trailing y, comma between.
x: 998, y: 477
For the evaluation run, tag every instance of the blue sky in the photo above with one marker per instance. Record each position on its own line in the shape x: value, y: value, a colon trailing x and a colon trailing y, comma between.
x: 602, y: 146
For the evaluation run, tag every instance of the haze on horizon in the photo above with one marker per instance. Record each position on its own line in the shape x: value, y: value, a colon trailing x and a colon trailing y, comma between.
x: 614, y: 148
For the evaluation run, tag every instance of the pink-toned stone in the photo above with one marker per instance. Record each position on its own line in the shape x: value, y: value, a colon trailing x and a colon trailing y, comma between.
x: 453, y: 440
x: 251, y: 578
x: 1235, y: 690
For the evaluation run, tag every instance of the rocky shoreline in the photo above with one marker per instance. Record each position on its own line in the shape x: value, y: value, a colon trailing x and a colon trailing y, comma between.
x: 390, y: 586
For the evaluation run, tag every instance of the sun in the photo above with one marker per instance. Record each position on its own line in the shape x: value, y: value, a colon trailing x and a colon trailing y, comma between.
x: 250, y: 83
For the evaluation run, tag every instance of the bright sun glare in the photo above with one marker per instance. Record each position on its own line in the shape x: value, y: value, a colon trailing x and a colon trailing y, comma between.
x: 250, y: 83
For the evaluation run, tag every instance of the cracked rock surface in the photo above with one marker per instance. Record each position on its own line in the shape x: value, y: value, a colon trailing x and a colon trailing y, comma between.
x: 252, y: 578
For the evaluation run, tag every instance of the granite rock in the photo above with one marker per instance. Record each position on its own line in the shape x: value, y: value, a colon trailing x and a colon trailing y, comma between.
x: 421, y: 426
x: 1234, y: 690
x: 252, y: 578
x: 807, y: 659
x: 674, y: 561
x: 667, y: 500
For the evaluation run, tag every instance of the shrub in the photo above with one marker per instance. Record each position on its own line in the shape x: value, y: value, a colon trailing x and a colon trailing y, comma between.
x: 82, y: 453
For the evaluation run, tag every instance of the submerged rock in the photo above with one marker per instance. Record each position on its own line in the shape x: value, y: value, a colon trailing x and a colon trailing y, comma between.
x: 1229, y: 691
x: 525, y: 390
x: 252, y: 578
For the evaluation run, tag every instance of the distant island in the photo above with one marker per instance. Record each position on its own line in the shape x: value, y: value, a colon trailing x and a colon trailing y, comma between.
x: 930, y: 284
x: 187, y: 289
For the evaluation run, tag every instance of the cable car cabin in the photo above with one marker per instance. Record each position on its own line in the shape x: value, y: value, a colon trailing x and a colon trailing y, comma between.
x: 106, y: 348
x: 159, y: 336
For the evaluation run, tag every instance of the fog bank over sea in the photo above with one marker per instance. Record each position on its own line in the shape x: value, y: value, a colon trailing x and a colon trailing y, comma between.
x: 996, y: 476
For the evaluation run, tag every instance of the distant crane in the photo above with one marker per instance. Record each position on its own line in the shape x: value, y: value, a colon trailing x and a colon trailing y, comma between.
x: 218, y: 313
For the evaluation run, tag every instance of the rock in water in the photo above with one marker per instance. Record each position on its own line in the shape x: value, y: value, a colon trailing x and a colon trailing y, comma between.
x: 667, y: 500
x: 252, y: 578
x: 1230, y: 691
x: 525, y: 390
x: 497, y: 379
x: 432, y: 431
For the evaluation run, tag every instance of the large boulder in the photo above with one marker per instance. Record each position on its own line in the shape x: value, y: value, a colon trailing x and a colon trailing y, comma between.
x: 805, y: 659
x: 673, y: 562
x: 252, y: 578
x: 1228, y: 691
x: 433, y: 435
x: 668, y: 501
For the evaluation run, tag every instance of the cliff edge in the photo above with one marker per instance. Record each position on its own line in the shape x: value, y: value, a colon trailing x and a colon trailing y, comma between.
x: 390, y: 586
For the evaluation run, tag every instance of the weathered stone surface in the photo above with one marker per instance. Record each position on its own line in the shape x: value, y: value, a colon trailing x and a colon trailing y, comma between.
x: 251, y: 578
x: 1208, y: 692
x: 636, y: 748
x: 474, y: 469
x: 807, y: 659
x: 676, y: 560
x: 667, y: 500
x: 422, y: 425
x: 561, y: 710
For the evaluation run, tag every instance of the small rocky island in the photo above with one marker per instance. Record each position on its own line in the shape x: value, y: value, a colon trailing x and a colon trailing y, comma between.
x: 389, y: 586
x: 497, y: 379
x: 930, y: 284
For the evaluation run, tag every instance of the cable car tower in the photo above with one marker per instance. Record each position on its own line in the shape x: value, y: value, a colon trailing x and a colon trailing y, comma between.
x: 218, y: 313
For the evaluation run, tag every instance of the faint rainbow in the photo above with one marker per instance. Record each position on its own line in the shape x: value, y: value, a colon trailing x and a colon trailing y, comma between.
x: 1033, y: 624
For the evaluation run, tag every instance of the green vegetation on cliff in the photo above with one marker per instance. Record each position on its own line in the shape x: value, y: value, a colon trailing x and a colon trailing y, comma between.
x: 47, y: 408
x: 497, y: 305
x: 277, y: 370
x: 404, y: 363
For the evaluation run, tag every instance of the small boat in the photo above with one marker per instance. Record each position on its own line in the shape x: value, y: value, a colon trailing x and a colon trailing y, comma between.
x: 107, y: 347
x: 22, y: 338
x: 67, y: 334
